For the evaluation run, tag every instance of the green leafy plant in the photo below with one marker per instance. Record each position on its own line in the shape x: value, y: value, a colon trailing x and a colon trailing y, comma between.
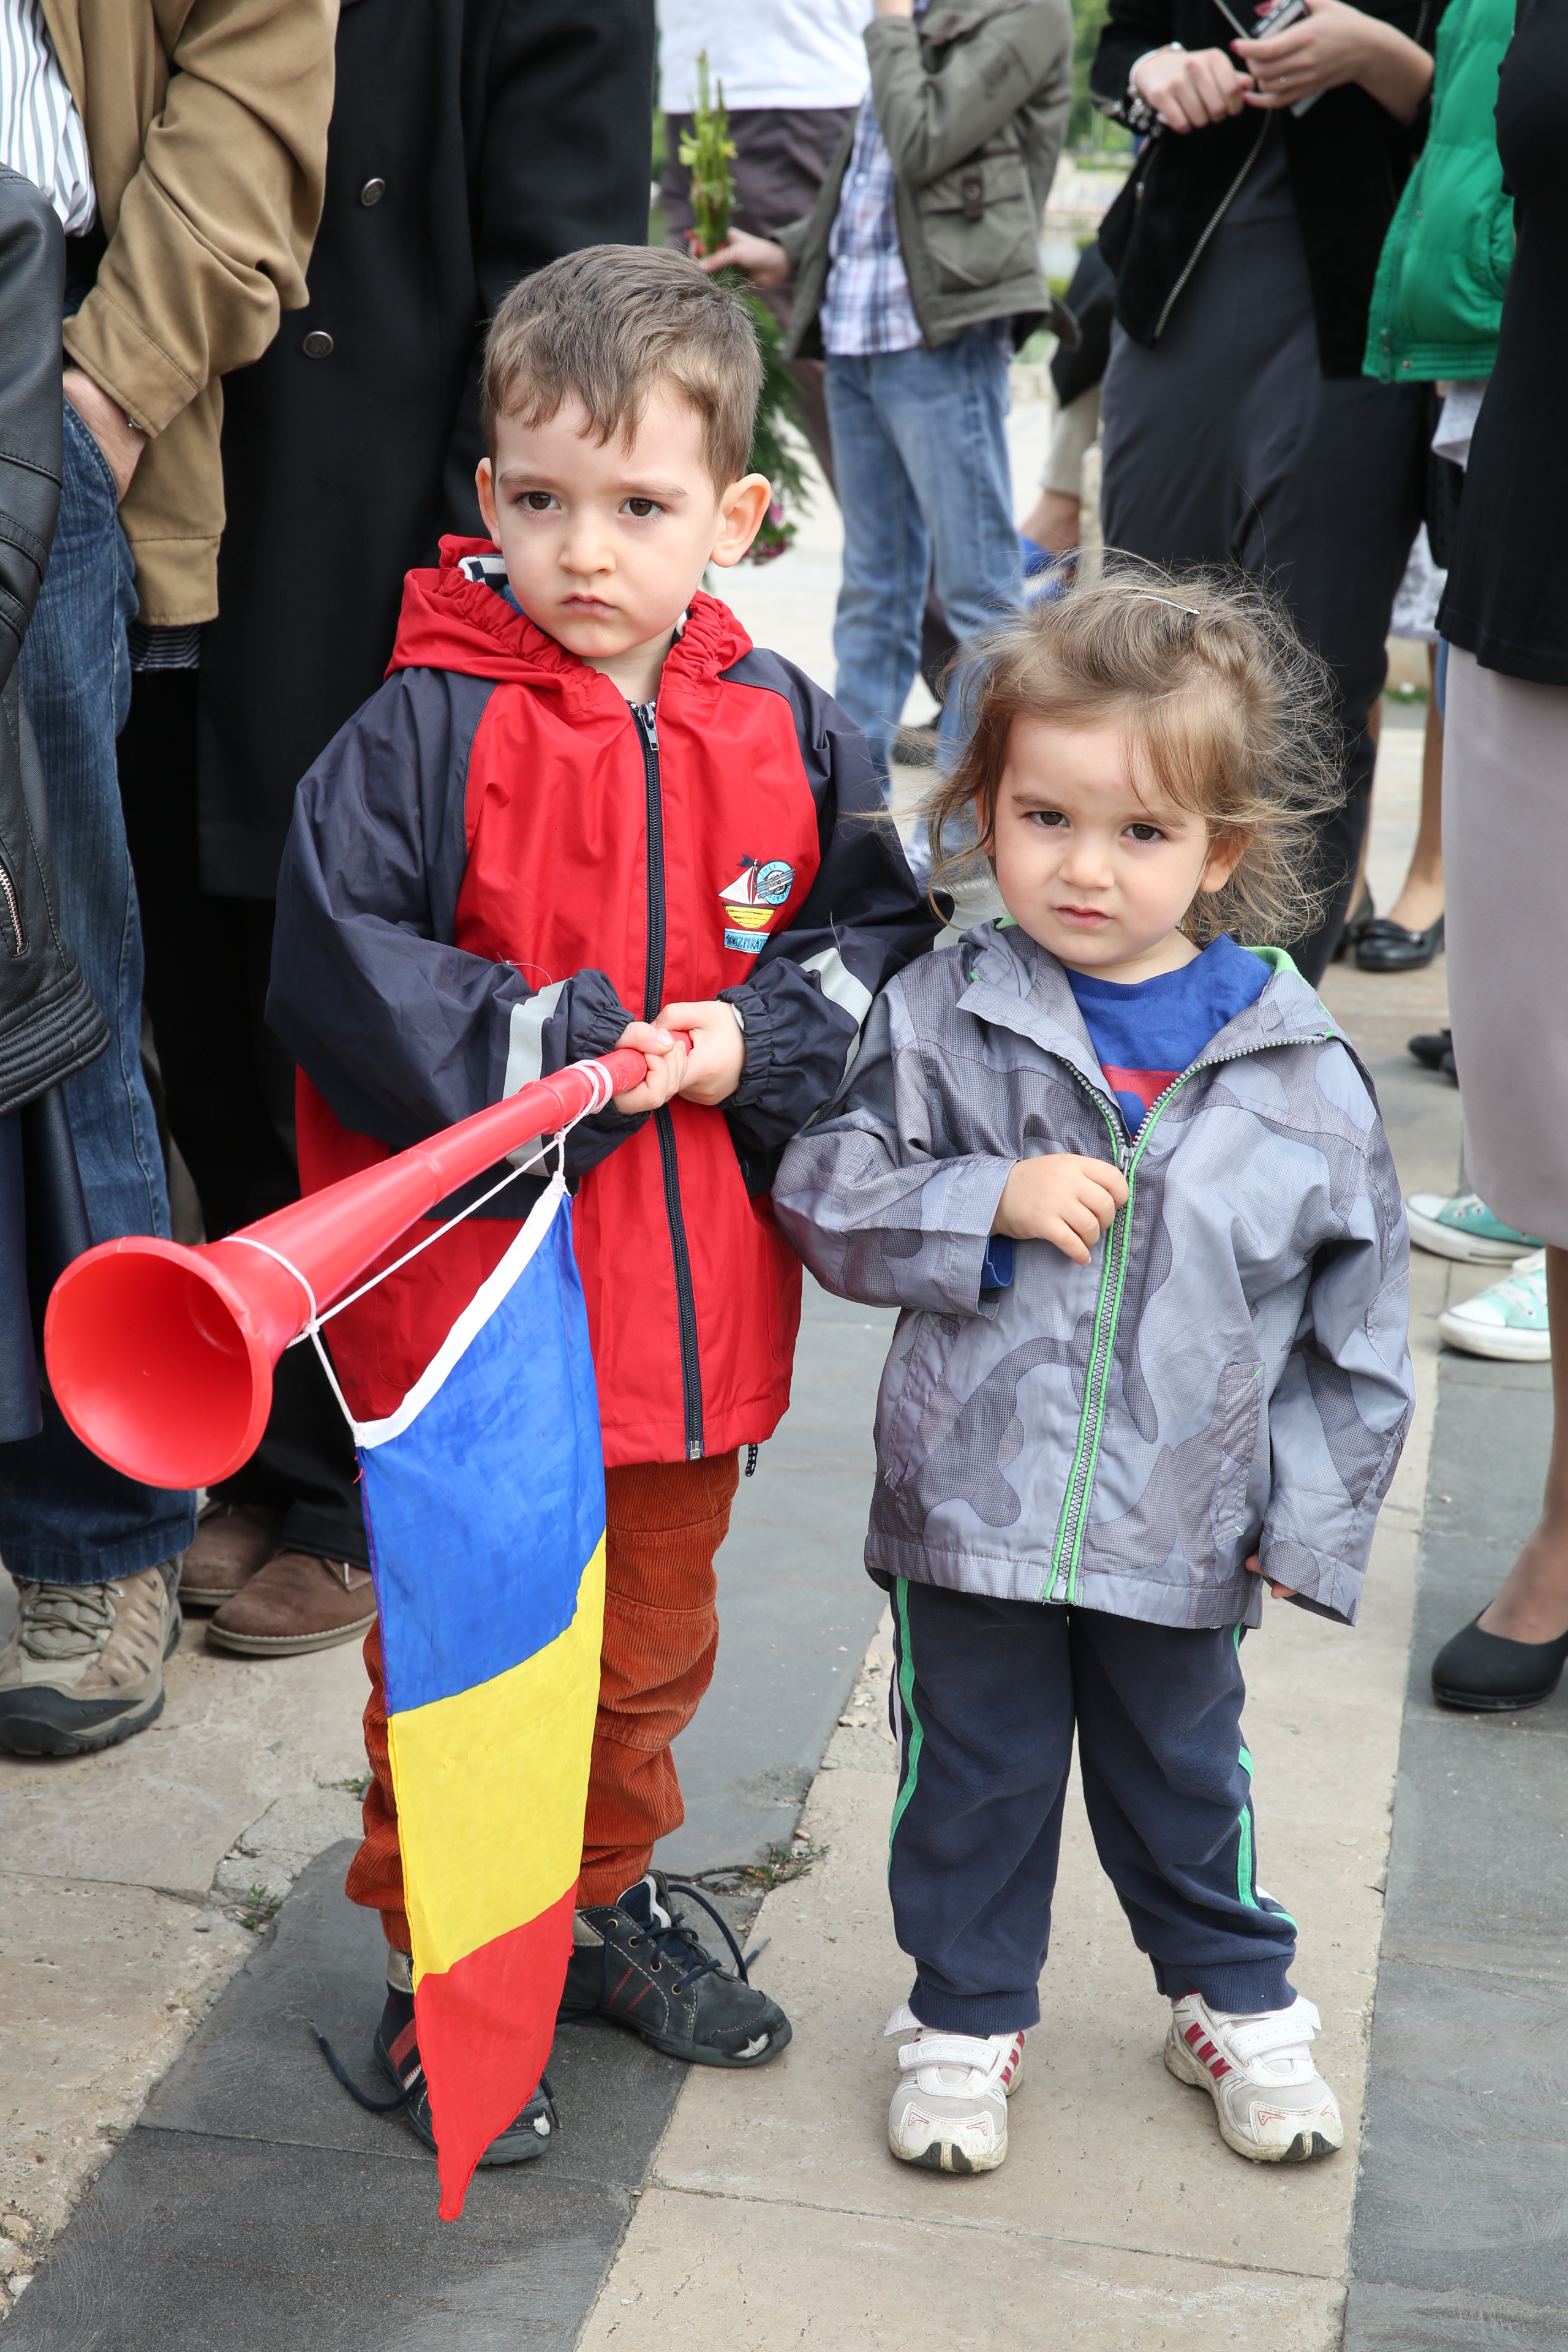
x: 261, y: 1908
x: 707, y: 151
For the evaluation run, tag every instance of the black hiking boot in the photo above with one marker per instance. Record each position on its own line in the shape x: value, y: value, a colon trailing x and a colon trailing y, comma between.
x: 635, y: 1962
x: 397, y: 2053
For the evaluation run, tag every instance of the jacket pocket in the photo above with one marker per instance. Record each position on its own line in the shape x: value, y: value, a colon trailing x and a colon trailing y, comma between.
x: 978, y: 223
x: 921, y: 1346
x: 1238, y: 1411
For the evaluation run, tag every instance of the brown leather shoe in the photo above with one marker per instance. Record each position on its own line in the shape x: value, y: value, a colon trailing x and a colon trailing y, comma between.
x: 232, y: 1541
x: 296, y: 1602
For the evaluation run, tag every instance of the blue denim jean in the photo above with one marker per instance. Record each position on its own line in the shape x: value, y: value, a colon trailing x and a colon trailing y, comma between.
x: 920, y: 450
x: 65, y: 1517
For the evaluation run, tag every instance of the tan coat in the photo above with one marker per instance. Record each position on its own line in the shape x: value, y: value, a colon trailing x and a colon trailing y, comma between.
x: 206, y: 127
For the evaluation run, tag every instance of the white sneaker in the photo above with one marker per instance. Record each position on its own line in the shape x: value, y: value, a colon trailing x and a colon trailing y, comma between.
x: 1462, y: 1226
x: 1508, y: 1321
x: 950, y: 2110
x: 1272, y: 2103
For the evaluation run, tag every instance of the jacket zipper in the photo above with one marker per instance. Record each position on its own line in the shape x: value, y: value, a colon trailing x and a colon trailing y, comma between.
x: 664, y: 1123
x: 9, y: 892
x: 1060, y: 1581
x: 1225, y: 204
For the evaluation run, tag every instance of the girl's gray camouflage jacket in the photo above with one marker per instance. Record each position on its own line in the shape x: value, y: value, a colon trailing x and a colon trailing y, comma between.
x: 1228, y: 1375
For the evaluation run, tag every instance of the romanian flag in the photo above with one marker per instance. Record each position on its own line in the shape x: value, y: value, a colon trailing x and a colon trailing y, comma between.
x: 484, y: 1497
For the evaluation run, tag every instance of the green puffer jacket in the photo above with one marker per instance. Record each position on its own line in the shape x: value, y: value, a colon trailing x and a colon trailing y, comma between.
x: 972, y: 101
x: 1437, y: 302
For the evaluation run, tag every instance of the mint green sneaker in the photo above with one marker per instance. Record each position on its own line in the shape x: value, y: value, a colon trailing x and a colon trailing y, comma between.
x: 1464, y: 1227
x: 1508, y: 1321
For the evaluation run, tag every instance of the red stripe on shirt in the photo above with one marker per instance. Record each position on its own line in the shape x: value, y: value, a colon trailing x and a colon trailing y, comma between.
x: 1147, y: 1085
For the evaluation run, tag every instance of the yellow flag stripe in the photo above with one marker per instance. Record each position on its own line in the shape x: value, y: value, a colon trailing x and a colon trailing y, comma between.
x: 491, y: 1787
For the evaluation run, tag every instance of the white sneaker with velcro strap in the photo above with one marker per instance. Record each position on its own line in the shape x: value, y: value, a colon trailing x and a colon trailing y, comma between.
x: 1273, y: 2105
x: 950, y: 2110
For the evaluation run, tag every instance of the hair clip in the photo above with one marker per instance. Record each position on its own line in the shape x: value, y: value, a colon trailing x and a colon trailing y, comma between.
x: 1156, y: 598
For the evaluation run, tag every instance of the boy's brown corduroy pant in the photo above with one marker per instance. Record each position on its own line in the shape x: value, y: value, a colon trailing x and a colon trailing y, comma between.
x: 664, y: 1524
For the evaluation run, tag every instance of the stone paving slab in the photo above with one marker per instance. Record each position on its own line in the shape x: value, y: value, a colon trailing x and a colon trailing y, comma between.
x: 254, y: 2198
x: 101, y: 1984
x: 1466, y: 2177
x: 163, y: 1809
x: 191, y: 2244
x: 716, y: 2270
x: 796, y: 1608
x: 1401, y: 2319
x: 1461, y: 2222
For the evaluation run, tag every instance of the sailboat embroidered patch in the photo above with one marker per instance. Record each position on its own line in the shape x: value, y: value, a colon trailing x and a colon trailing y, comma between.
x: 752, y: 900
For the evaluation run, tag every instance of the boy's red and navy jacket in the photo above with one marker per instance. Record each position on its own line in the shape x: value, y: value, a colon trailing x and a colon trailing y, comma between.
x: 492, y: 868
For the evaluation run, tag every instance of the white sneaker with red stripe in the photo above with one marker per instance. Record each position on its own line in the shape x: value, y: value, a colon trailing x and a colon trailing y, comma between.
x: 950, y: 2110
x: 1272, y: 2103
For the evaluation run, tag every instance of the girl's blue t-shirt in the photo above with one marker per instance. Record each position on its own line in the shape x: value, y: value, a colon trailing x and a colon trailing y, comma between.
x: 1145, y: 1033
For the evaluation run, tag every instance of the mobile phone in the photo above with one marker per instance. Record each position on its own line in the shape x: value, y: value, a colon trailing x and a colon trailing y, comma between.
x: 1274, y: 18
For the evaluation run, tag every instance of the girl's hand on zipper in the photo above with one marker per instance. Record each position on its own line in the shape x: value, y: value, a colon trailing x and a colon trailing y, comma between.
x: 666, y: 1068
x: 1281, y: 1591
x: 1062, y: 1199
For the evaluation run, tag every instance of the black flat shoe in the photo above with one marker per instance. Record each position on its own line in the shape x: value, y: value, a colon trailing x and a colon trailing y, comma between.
x: 1493, y: 1676
x: 1433, y: 1049
x: 1358, y: 923
x: 1386, y: 946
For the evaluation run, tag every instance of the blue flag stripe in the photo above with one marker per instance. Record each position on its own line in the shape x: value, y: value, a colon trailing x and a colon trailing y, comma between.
x: 484, y: 1511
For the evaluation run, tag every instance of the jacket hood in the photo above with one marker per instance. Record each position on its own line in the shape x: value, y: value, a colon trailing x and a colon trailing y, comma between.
x: 456, y: 618
x: 1014, y: 980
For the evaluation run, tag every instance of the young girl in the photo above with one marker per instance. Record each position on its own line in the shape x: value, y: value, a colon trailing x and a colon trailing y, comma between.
x: 1129, y: 1188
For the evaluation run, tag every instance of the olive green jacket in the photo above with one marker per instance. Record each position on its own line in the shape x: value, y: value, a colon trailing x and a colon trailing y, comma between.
x: 207, y: 129
x: 972, y: 101
x: 1437, y: 302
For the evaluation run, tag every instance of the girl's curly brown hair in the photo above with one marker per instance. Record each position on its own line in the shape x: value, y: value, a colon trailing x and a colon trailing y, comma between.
x: 1226, y: 712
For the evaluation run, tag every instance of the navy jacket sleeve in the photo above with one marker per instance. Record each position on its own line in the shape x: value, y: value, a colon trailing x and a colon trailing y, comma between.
x: 864, y: 919
x: 402, y: 1032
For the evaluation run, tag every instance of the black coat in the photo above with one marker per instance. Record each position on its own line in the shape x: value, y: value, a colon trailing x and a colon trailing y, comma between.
x: 471, y: 142
x: 50, y: 1025
x: 1347, y: 156
x: 1507, y: 598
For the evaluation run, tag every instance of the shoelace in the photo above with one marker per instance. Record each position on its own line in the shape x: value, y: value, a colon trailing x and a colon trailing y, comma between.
x: 65, y: 1621
x: 391, y: 2106
x: 702, y: 1963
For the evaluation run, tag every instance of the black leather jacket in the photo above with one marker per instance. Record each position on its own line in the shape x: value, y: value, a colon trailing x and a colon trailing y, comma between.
x: 1348, y: 160
x: 50, y: 1025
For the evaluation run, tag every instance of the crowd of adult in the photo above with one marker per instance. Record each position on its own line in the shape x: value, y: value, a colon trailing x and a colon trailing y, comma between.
x: 275, y: 240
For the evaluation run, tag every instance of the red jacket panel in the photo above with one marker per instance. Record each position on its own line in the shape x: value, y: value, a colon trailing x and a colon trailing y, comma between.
x: 492, y: 869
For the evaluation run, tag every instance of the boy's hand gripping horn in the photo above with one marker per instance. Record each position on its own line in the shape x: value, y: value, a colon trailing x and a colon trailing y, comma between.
x: 161, y: 1357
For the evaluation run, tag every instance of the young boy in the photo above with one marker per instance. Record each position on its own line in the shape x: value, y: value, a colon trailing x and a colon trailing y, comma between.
x: 584, y: 812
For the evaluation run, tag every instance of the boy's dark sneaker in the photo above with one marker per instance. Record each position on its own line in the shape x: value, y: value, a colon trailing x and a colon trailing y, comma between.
x: 397, y: 2053
x: 635, y: 1962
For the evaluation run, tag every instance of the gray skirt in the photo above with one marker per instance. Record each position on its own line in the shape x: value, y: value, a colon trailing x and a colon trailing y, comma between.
x: 1505, y: 868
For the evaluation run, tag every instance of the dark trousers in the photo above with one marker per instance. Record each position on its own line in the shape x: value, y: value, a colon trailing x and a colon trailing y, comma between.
x: 1224, y: 443
x: 781, y: 155
x: 985, y: 1697
x: 229, y: 1092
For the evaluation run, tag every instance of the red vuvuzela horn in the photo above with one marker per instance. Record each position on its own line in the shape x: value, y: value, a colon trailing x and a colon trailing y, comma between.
x: 161, y: 1357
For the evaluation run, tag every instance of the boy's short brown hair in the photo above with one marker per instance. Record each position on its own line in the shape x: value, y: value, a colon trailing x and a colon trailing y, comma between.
x: 612, y: 323
x: 1225, y: 713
